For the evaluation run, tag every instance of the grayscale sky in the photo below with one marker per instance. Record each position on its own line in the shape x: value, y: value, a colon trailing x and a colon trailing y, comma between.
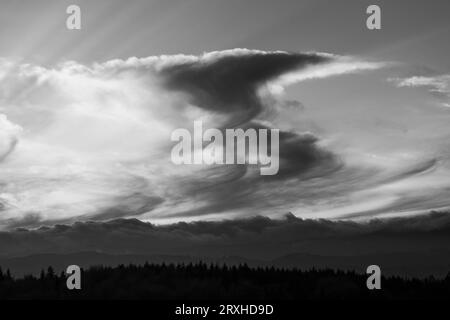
x: 86, y: 116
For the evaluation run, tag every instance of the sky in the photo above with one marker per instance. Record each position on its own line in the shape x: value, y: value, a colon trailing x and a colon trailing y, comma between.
x: 86, y: 115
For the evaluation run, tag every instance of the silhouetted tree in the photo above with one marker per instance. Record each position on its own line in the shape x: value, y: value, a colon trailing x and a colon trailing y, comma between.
x: 202, y: 281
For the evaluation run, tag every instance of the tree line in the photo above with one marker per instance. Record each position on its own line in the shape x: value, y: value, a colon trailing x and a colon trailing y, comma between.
x: 202, y: 281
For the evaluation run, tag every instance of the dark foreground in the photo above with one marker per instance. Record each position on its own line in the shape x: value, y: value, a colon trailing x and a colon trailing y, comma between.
x: 212, y: 282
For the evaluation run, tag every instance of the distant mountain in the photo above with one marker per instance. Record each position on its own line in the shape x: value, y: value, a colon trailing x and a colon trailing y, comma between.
x: 402, y: 264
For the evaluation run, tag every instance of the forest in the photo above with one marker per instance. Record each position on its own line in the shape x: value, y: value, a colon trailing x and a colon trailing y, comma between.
x: 201, y: 281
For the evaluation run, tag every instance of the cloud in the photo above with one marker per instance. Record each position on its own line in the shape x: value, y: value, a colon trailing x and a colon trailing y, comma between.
x: 82, y: 142
x: 229, y: 81
x: 257, y: 237
x: 337, y: 65
x: 9, y: 136
x: 437, y: 85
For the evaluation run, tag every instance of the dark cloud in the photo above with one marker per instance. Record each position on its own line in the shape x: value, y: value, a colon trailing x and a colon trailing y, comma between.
x: 300, y: 160
x: 257, y: 237
x: 10, y: 148
x: 242, y: 187
x: 229, y: 83
x: 299, y: 153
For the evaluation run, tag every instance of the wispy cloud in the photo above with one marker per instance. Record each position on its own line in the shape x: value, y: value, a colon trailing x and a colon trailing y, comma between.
x: 437, y: 85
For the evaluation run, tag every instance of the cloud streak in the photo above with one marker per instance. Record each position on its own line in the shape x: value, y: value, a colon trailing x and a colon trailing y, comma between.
x: 438, y: 85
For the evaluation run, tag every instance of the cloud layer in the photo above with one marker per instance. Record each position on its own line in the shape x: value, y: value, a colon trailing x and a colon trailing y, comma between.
x: 398, y: 244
